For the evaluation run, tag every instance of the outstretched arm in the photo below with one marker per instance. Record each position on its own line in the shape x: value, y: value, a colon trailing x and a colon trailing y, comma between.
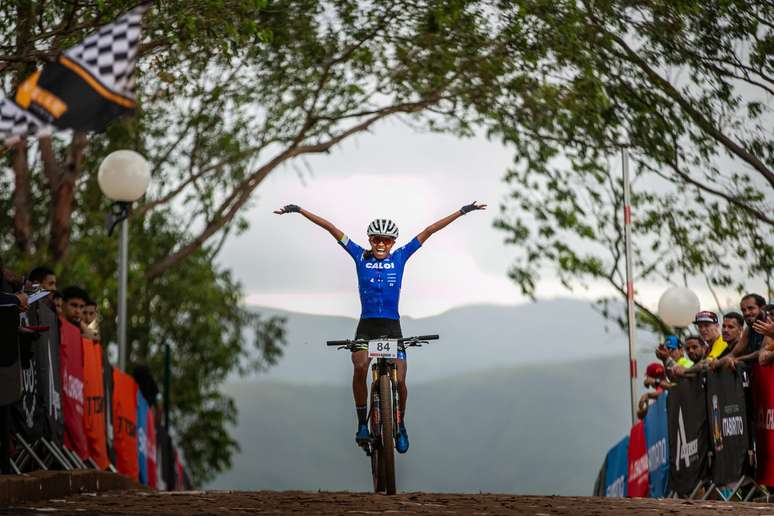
x: 437, y: 226
x: 330, y: 228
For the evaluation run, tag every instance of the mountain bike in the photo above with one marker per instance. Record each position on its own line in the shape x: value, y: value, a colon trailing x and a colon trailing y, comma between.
x: 384, y: 415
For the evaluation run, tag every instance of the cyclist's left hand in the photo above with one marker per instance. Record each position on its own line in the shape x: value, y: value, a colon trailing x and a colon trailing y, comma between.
x: 290, y: 208
x: 472, y: 207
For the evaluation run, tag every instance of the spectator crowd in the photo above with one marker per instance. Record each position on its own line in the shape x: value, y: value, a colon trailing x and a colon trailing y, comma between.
x: 72, y: 303
x: 739, y: 342
x: 82, y: 411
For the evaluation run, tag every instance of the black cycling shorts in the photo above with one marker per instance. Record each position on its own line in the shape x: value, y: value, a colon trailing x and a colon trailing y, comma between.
x: 377, y: 328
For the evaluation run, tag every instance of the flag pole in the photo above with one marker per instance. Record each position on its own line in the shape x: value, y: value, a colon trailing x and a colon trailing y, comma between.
x: 631, y: 316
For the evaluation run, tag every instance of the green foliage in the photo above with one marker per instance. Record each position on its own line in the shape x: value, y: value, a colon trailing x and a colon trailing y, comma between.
x: 228, y: 90
x: 196, y: 309
x: 681, y: 86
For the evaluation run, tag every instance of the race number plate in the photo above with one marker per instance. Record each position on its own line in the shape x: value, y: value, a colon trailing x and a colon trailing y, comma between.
x: 383, y: 348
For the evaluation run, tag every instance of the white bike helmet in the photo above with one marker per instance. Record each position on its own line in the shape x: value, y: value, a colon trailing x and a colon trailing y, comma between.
x: 383, y: 227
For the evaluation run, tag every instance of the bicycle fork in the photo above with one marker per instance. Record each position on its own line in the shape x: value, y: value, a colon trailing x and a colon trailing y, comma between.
x: 396, y: 415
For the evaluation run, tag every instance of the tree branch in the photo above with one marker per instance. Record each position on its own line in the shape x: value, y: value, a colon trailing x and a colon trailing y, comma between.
x: 242, y: 192
x: 703, y: 187
x: 689, y: 109
x: 212, y: 168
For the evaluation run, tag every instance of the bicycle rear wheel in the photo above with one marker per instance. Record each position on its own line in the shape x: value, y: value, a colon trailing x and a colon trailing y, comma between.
x: 387, y: 449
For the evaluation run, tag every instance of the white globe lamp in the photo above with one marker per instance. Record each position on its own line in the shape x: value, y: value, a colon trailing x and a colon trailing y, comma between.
x: 123, y: 176
x: 678, y: 306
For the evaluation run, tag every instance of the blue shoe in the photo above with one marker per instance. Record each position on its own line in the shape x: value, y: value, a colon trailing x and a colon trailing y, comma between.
x: 402, y: 442
x: 363, y: 435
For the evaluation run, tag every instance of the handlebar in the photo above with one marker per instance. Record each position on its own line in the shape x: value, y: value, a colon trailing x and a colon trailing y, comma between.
x: 411, y: 340
x: 423, y: 337
x: 341, y: 342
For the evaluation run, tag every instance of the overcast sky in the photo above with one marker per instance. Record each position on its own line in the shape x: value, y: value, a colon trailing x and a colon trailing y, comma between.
x: 413, y: 178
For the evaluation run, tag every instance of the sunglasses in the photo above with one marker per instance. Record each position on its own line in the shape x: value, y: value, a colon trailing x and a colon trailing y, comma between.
x: 382, y: 240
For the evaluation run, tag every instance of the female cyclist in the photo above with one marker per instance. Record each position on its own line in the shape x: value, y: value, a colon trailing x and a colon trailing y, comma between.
x: 379, y: 274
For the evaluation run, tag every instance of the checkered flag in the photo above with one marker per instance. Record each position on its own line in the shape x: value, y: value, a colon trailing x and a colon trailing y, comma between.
x: 110, y: 54
x: 87, y: 86
x: 17, y: 123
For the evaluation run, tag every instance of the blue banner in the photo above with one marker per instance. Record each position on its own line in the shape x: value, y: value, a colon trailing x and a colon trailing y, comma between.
x: 657, y: 440
x: 142, y: 437
x: 616, y: 469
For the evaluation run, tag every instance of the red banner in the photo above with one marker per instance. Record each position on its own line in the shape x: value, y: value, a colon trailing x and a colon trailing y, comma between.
x: 638, y: 463
x: 179, y: 480
x: 125, y: 424
x: 763, y: 403
x: 71, y: 357
x: 152, y: 458
x: 94, y: 401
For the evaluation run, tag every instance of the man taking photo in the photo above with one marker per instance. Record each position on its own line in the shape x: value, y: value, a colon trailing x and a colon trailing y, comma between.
x: 749, y: 345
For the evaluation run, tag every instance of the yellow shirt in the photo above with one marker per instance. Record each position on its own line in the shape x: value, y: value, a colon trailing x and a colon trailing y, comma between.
x: 718, y: 347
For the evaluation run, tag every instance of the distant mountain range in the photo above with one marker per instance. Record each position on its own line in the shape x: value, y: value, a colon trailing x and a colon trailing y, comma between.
x: 533, y: 429
x: 473, y: 338
x: 520, y: 399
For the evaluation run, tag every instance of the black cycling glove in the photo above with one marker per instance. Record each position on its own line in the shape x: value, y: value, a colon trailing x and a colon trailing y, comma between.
x: 469, y: 207
x: 292, y: 208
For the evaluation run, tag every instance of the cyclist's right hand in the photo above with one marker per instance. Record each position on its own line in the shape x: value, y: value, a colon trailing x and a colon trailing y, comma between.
x: 290, y: 208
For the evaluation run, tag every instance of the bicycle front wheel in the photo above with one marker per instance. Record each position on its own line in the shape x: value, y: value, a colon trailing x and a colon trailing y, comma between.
x: 387, y: 449
x: 377, y: 466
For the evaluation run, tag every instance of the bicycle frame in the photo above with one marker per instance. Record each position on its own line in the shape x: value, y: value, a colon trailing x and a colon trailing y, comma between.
x: 384, y: 414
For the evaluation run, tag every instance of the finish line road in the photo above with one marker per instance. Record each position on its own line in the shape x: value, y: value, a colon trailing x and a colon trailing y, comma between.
x: 303, y: 502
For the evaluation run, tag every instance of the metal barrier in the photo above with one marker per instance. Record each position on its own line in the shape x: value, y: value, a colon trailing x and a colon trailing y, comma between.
x: 712, y: 436
x: 43, y: 410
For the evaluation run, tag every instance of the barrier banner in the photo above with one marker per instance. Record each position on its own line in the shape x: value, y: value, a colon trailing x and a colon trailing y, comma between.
x: 729, y: 434
x: 142, y: 437
x: 637, y: 478
x: 763, y: 396
x: 125, y: 423
x: 179, y: 473
x: 10, y: 371
x: 688, y: 438
x: 167, y: 479
x: 107, y: 375
x: 599, y: 483
x: 657, y: 441
x: 71, y: 353
x: 95, y: 402
x: 49, y: 371
x: 27, y: 414
x: 152, y: 451
x: 616, y: 468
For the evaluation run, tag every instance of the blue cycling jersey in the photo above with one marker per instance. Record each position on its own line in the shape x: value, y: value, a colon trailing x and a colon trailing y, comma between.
x: 379, y: 280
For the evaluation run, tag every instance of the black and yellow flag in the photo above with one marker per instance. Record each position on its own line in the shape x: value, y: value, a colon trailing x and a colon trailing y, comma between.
x: 87, y: 86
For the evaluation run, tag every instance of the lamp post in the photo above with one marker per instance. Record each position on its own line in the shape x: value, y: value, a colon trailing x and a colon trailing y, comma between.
x: 123, y: 177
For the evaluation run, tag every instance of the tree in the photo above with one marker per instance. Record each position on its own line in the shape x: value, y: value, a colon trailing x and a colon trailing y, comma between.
x: 228, y: 92
x: 196, y: 309
x: 683, y: 87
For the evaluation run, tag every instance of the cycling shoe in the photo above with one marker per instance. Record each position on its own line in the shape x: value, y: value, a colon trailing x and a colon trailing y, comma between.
x: 402, y: 442
x: 362, y: 435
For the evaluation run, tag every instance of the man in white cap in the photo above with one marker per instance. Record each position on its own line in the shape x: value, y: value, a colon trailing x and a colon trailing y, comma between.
x: 709, y: 329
